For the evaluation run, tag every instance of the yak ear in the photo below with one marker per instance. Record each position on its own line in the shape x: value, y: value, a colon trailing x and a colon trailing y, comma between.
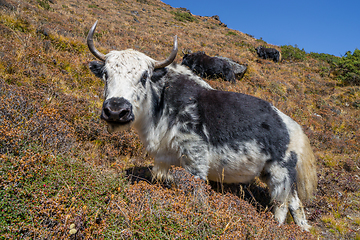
x: 158, y: 74
x: 97, y: 68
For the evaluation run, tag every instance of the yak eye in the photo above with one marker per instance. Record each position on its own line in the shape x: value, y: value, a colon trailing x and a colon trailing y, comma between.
x: 144, y: 78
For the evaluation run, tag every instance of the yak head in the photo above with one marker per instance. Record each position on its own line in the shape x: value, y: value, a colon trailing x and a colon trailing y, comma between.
x: 126, y: 75
x: 259, y: 49
x: 189, y: 58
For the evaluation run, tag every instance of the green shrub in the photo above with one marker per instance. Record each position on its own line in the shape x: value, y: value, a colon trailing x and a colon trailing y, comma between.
x: 289, y: 52
x: 44, y: 4
x: 349, y: 68
x: 231, y: 33
x: 325, y: 57
x: 92, y: 6
x: 184, y: 16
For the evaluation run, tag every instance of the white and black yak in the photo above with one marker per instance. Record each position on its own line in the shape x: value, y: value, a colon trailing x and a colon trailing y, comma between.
x: 217, y: 135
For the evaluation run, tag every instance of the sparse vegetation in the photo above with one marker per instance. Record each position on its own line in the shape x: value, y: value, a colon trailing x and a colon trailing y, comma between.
x: 142, y: 1
x: 261, y: 41
x: 62, y: 176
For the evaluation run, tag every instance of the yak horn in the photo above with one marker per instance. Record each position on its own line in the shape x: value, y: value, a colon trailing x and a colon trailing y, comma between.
x: 171, y: 58
x: 90, y: 43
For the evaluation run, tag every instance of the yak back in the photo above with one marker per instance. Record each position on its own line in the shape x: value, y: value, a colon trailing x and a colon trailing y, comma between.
x: 229, y: 118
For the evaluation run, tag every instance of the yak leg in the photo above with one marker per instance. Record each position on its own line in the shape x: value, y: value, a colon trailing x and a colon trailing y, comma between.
x: 280, y: 179
x: 296, y: 208
x: 297, y: 211
x: 280, y: 184
x: 195, y: 160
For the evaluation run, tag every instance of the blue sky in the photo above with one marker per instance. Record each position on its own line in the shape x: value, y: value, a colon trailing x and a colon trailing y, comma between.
x: 331, y: 27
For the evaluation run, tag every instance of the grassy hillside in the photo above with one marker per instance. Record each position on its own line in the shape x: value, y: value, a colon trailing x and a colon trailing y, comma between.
x: 62, y: 176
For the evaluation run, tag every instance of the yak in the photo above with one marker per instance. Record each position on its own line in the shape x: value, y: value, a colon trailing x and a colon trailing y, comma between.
x: 268, y: 53
x: 206, y: 66
x: 215, y: 135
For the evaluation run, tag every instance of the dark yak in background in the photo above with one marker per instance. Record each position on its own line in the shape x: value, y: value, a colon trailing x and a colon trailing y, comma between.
x: 207, y: 66
x: 268, y: 53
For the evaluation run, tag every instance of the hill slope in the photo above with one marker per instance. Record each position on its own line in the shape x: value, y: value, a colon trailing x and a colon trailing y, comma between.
x: 59, y: 166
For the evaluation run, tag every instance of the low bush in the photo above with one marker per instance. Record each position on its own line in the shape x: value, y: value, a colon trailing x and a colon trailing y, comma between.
x: 325, y: 57
x: 231, y: 33
x: 349, y: 68
x: 184, y: 16
x: 293, y: 53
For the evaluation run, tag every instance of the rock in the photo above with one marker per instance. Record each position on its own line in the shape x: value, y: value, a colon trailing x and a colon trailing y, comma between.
x: 239, y: 69
x: 216, y: 17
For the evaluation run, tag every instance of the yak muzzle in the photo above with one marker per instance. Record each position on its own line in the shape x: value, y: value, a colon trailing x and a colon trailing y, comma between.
x: 117, y: 111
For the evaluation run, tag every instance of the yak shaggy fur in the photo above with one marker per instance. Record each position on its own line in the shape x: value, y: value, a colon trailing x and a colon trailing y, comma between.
x: 216, y: 135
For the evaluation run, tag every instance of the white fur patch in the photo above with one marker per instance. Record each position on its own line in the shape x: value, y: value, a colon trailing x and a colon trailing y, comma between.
x: 230, y: 166
x: 182, y: 70
x: 295, y: 133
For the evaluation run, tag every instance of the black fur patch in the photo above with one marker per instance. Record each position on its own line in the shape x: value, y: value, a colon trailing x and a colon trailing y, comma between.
x: 158, y: 104
x: 179, y: 94
x: 97, y: 68
x: 144, y: 78
x: 158, y: 74
x: 230, y: 118
x: 158, y: 100
x: 290, y: 165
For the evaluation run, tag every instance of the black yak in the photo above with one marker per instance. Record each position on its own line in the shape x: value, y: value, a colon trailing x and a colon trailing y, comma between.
x: 206, y: 66
x: 268, y: 53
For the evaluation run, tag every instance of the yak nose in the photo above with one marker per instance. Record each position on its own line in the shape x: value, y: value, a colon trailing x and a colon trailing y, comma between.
x: 117, y: 110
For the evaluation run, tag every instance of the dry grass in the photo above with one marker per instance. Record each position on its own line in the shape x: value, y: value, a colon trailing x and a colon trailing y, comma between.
x: 59, y: 166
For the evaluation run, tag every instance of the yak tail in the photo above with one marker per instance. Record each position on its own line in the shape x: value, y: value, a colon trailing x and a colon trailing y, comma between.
x: 306, y: 178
